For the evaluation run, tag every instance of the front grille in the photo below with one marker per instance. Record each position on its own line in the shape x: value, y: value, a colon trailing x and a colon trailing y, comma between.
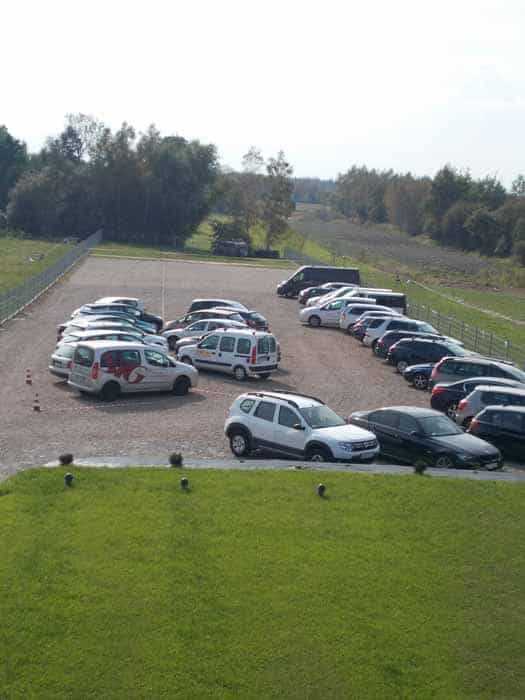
x: 367, y: 445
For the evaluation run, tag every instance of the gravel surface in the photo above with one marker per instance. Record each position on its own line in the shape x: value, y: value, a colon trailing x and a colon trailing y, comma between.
x: 321, y: 362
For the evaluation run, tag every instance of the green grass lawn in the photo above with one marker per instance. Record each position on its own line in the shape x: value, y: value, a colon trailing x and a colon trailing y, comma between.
x: 252, y: 586
x: 15, y: 266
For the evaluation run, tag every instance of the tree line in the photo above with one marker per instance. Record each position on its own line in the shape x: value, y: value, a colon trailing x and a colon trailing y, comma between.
x: 142, y: 188
x: 453, y: 208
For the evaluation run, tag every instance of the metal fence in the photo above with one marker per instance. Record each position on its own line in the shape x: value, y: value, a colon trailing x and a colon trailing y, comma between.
x: 14, y: 300
x: 474, y: 338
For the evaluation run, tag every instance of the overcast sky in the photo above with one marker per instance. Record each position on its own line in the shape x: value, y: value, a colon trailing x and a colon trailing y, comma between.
x: 408, y: 85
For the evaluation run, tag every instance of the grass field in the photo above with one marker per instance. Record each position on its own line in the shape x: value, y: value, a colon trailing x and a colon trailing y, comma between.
x: 250, y: 585
x: 15, y: 254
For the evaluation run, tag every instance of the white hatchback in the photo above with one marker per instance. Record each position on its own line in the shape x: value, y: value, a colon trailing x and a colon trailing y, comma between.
x: 109, y: 368
x: 326, y: 314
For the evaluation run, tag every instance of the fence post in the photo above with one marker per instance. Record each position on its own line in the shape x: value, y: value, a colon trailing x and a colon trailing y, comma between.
x: 490, y: 343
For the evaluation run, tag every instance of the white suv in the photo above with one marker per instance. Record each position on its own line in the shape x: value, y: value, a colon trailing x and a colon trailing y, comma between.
x: 295, y: 425
x: 110, y: 367
x: 379, y: 327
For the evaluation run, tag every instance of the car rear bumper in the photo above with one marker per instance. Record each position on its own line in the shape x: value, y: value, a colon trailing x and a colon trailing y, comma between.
x: 61, y: 372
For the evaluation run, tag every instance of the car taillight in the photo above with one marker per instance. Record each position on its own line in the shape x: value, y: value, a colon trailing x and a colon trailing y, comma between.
x: 462, y: 404
x: 94, y: 371
x: 438, y: 390
x: 435, y: 370
x: 253, y: 358
x: 380, y: 341
x: 474, y: 423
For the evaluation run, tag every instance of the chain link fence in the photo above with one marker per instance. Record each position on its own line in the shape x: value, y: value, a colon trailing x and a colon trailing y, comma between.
x: 14, y: 300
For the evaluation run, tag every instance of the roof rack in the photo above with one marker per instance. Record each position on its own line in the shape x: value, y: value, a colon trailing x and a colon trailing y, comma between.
x: 290, y: 393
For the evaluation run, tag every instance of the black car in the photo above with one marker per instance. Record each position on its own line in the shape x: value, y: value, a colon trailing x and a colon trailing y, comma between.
x: 131, y: 311
x: 418, y: 375
x: 504, y: 427
x: 414, y: 351
x: 316, y: 275
x: 318, y: 291
x: 421, y: 435
x: 388, y: 339
x: 445, y: 397
x: 251, y: 318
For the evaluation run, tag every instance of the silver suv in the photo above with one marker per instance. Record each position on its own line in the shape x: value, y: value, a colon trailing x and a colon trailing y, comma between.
x: 487, y: 395
x: 295, y: 425
x: 452, y: 369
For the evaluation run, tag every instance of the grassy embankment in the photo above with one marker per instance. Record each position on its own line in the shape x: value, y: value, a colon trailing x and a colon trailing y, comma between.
x: 15, y: 266
x: 250, y: 585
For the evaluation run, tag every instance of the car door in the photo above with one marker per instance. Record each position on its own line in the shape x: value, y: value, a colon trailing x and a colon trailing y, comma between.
x: 206, y: 352
x: 290, y: 439
x: 384, y: 424
x: 263, y: 424
x: 159, y: 371
x: 130, y: 370
x: 226, y: 353
x: 330, y: 313
x: 409, y: 447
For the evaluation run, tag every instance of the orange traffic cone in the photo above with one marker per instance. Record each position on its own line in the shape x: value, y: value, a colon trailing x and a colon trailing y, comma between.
x: 36, y: 403
x: 29, y: 378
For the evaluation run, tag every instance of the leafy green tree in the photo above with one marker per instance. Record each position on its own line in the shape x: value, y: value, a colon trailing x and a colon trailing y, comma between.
x: 277, y: 201
x: 453, y: 229
x: 448, y: 187
x: 484, y: 231
x: 489, y: 192
x: 518, y: 186
x: 13, y: 161
x: 519, y: 251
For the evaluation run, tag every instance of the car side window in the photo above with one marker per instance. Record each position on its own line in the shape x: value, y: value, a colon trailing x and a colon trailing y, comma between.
x: 243, y: 346
x: 335, y: 305
x: 384, y: 418
x: 109, y: 359
x: 156, y: 359
x: 495, y: 371
x: 287, y: 417
x: 129, y: 358
x: 407, y: 424
x: 209, y: 343
x: 265, y: 410
x: 199, y: 326
x: 511, y: 421
x: 227, y: 344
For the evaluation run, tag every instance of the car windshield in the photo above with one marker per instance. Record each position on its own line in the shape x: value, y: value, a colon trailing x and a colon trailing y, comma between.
x: 438, y: 426
x: 517, y: 374
x: 426, y: 328
x: 321, y: 417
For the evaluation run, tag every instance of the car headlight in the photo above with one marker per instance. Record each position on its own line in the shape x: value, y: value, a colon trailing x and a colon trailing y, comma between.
x: 347, y: 446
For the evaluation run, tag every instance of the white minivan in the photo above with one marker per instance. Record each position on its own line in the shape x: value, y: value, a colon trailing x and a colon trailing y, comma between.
x: 110, y: 368
x: 243, y: 353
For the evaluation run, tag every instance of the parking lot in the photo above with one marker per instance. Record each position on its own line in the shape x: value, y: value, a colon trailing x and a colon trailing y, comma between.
x: 322, y: 362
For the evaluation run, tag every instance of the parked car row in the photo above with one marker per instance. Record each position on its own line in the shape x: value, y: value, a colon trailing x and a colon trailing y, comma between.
x: 466, y: 387
x: 113, y: 346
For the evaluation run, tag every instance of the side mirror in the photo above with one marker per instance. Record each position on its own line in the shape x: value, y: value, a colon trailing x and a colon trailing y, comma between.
x: 298, y: 426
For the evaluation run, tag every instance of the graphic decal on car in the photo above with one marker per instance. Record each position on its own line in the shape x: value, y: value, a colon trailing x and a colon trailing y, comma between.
x: 133, y: 375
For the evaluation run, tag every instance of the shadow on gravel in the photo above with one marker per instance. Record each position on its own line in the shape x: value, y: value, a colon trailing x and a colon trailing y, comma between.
x: 150, y: 401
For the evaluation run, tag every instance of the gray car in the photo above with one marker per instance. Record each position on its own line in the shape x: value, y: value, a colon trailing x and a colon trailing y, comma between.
x: 61, y: 360
x: 487, y: 395
x: 453, y: 369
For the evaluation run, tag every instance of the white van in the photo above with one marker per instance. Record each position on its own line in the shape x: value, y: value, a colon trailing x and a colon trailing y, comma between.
x: 111, y: 368
x: 243, y: 353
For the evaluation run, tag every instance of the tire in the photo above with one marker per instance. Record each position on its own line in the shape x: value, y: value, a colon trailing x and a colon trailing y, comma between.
x: 181, y: 386
x: 240, y: 373
x: 318, y: 454
x: 172, y: 341
x: 374, y: 347
x: 420, y: 381
x: 110, y: 391
x: 240, y: 442
x: 451, y: 409
x: 314, y: 321
x: 264, y: 375
x: 444, y: 462
x: 401, y: 366
x: 186, y: 360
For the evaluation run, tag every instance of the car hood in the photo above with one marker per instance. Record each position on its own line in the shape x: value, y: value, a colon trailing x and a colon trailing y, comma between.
x: 465, y: 442
x: 309, y: 309
x: 344, y: 433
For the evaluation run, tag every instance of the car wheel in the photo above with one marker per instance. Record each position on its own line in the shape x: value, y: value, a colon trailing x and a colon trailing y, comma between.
x: 401, y: 366
x: 420, y: 381
x: 444, y: 462
x: 172, y: 341
x: 186, y: 360
x: 314, y: 321
x: 240, y: 443
x: 451, y: 409
x: 110, y: 391
x: 264, y: 375
x: 374, y: 347
x: 240, y: 373
x: 181, y: 386
x: 318, y: 454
